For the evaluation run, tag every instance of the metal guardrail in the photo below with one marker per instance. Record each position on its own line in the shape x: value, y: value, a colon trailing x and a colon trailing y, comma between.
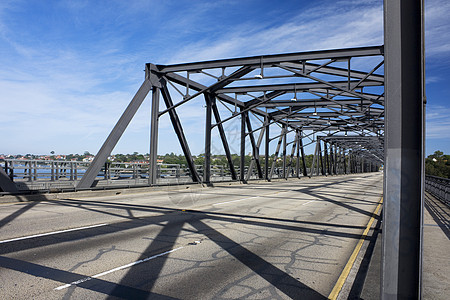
x: 45, y: 175
x: 54, y: 175
x: 438, y: 187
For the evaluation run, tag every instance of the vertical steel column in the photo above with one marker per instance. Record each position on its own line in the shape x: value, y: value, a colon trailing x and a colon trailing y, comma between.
x: 153, y: 157
x: 404, y: 119
x: 242, y: 158
x: 321, y: 159
x: 207, y: 165
x: 313, y: 164
x: 267, y: 150
x: 284, y: 155
x: 333, y: 166
x: 280, y: 140
x: 327, y: 164
x: 255, y: 148
x: 344, y: 163
x: 289, y: 166
x: 223, y: 137
x: 305, y: 172
x: 297, y: 165
x: 335, y: 159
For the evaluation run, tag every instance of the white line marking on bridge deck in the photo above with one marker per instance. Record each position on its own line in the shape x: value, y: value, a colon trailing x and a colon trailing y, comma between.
x: 50, y: 233
x: 115, y: 269
x: 309, y: 202
x: 220, y: 203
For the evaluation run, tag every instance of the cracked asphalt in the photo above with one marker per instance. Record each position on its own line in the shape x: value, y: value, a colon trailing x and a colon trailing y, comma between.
x: 278, y: 240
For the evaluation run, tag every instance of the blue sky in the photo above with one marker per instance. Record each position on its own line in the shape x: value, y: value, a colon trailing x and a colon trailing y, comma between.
x: 69, y: 68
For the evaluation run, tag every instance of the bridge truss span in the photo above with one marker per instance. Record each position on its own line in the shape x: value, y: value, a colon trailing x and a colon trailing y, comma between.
x: 287, y: 99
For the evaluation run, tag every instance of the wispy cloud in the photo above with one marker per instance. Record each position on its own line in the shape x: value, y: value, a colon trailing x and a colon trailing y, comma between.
x: 438, y: 122
x: 333, y: 26
x: 437, y: 27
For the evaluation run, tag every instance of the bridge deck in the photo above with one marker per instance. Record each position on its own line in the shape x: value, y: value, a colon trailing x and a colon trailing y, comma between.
x: 287, y: 239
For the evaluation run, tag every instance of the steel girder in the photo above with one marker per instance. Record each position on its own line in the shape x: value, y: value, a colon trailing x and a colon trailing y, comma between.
x: 333, y: 92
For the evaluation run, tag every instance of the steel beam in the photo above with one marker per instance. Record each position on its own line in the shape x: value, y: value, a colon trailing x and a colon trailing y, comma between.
x: 277, y: 58
x: 207, y: 165
x: 6, y: 184
x: 284, y: 155
x: 300, y: 143
x: 319, y: 102
x: 266, y: 149
x: 321, y: 158
x: 329, y: 70
x: 404, y: 172
x: 297, y: 166
x: 99, y: 160
x: 277, y: 151
x: 332, y: 160
x: 344, y: 161
x: 291, y: 159
x: 153, y: 158
x: 244, y: 115
x: 223, y: 137
x: 255, y: 151
x: 327, y: 165
x: 291, y: 87
x: 180, y: 133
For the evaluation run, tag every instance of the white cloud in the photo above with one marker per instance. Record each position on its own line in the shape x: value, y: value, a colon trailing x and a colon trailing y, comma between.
x: 437, y: 27
x: 437, y: 122
x: 336, y: 27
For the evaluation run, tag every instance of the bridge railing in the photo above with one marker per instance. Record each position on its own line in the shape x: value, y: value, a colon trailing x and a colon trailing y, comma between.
x: 58, y: 174
x: 438, y: 187
x: 47, y: 175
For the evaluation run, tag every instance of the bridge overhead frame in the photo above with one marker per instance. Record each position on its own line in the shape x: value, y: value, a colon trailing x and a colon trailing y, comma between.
x: 337, y: 92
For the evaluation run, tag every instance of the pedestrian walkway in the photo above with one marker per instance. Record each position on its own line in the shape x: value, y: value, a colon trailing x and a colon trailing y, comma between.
x: 436, y: 255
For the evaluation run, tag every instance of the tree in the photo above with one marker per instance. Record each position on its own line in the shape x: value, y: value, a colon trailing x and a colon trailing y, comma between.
x: 438, y: 164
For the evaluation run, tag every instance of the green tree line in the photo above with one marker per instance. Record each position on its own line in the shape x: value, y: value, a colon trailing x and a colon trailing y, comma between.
x: 438, y: 164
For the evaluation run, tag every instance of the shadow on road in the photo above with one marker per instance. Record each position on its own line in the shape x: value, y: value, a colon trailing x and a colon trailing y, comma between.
x: 172, y: 221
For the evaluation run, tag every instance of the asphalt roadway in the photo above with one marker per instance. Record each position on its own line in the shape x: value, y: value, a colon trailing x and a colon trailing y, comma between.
x: 278, y: 240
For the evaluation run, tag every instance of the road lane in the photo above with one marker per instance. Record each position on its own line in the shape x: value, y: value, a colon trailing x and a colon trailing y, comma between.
x: 275, y: 240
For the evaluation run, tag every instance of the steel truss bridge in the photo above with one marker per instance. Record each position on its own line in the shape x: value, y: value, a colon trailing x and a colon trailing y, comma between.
x: 358, y: 106
x: 283, y: 99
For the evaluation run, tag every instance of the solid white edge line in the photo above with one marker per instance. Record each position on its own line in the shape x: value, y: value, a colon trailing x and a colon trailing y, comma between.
x: 236, y: 200
x: 115, y: 269
x: 51, y: 233
x: 308, y: 202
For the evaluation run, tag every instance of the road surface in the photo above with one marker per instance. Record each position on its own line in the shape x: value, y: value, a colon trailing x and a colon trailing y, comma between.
x: 278, y: 240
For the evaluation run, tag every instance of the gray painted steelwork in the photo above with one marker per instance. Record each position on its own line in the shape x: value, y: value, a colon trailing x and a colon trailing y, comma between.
x: 403, y: 197
x: 102, y: 155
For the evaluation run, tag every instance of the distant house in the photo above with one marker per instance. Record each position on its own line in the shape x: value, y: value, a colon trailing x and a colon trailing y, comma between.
x: 88, y: 158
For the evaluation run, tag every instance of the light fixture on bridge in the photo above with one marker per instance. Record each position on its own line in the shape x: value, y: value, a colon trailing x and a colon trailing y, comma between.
x: 295, y: 93
x: 315, y: 109
x: 261, y: 75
